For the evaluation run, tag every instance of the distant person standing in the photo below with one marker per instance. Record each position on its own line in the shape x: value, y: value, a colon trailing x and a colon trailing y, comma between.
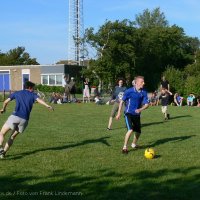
x: 164, y: 84
x: 18, y: 120
x: 164, y: 98
x: 116, y: 97
x: 136, y: 100
x: 67, y: 88
x: 72, y: 85
x: 86, y: 91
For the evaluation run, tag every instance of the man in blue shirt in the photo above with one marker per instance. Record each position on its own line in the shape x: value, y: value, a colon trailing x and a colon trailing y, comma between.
x: 18, y: 120
x: 136, y: 100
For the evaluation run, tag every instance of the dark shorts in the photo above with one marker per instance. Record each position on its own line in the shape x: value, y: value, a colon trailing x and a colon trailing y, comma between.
x: 133, y: 122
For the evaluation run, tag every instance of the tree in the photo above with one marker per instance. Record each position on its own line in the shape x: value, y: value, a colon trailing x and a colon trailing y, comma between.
x: 160, y: 47
x: 149, y: 19
x: 17, y: 56
x: 115, y: 52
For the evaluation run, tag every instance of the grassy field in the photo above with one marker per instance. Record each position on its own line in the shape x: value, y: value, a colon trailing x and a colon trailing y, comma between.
x: 69, y: 154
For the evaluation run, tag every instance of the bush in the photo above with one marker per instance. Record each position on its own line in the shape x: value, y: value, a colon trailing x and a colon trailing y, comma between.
x: 50, y: 89
x: 192, y: 85
x: 176, y: 80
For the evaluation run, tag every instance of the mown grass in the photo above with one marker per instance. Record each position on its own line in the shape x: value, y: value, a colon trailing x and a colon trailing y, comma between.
x: 69, y: 154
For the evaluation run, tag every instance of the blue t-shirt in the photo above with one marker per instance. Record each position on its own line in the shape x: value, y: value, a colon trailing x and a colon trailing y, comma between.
x: 178, y: 98
x: 118, y: 93
x: 24, y: 103
x: 134, y: 100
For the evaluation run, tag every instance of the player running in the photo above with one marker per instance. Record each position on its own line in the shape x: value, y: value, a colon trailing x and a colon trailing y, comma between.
x: 18, y: 120
x: 136, y: 101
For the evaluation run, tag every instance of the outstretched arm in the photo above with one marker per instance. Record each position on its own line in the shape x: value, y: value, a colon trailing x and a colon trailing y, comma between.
x: 5, y: 103
x: 40, y: 101
x: 145, y: 106
x: 119, y: 109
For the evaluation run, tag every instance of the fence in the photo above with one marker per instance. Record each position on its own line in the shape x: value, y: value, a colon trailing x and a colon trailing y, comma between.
x: 4, y: 94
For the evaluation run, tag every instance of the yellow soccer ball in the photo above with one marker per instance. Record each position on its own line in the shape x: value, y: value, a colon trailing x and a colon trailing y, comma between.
x: 149, y: 153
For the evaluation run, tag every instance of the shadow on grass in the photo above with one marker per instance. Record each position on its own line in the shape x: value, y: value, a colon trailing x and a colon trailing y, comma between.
x: 165, y: 184
x: 161, y: 122
x: 166, y: 140
x: 152, y: 123
x: 102, y: 140
x: 117, y: 128
x: 180, y: 116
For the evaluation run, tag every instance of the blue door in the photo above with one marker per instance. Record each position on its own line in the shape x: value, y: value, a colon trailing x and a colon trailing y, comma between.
x: 4, y: 81
x: 25, y: 78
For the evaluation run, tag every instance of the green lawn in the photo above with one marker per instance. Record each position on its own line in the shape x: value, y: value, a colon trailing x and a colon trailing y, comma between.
x: 69, y: 154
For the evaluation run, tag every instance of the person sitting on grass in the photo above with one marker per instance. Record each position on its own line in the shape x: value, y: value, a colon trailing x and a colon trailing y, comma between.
x: 190, y: 99
x: 153, y: 99
x: 198, y: 101
x: 98, y: 101
x: 178, y: 100
x: 18, y: 120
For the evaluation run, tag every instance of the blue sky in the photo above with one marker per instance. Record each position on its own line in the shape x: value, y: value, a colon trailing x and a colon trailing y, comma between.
x: 41, y: 26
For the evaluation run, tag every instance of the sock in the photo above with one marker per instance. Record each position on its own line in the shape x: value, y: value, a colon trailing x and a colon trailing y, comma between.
x: 133, y: 145
x: 125, y: 147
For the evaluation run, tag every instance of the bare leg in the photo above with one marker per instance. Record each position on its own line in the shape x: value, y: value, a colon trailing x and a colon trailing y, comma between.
x: 10, y: 141
x: 136, y: 137
x: 128, y: 134
x: 110, y: 122
x: 3, y: 132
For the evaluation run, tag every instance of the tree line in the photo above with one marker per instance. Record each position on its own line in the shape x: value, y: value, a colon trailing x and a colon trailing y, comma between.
x: 147, y: 46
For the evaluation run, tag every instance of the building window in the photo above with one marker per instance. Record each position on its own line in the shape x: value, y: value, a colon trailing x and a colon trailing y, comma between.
x: 45, y: 79
x: 59, y: 79
x: 52, y: 79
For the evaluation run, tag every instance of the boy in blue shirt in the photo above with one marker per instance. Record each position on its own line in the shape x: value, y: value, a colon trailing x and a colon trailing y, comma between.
x: 18, y: 120
x: 136, y: 100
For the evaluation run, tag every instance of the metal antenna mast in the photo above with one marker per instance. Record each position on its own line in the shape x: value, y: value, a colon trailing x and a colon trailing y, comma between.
x: 76, y: 31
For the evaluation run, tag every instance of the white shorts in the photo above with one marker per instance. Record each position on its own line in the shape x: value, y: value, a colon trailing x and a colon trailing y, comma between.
x: 17, y: 123
x: 164, y: 109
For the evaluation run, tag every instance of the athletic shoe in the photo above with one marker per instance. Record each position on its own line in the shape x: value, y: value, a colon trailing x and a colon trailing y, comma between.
x: 125, y: 151
x: 2, y: 154
x: 1, y: 151
x: 109, y: 129
x: 134, y: 146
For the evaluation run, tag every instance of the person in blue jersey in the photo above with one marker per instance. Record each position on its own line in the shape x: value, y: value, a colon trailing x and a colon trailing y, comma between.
x: 136, y: 100
x: 18, y: 120
x: 116, y: 97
